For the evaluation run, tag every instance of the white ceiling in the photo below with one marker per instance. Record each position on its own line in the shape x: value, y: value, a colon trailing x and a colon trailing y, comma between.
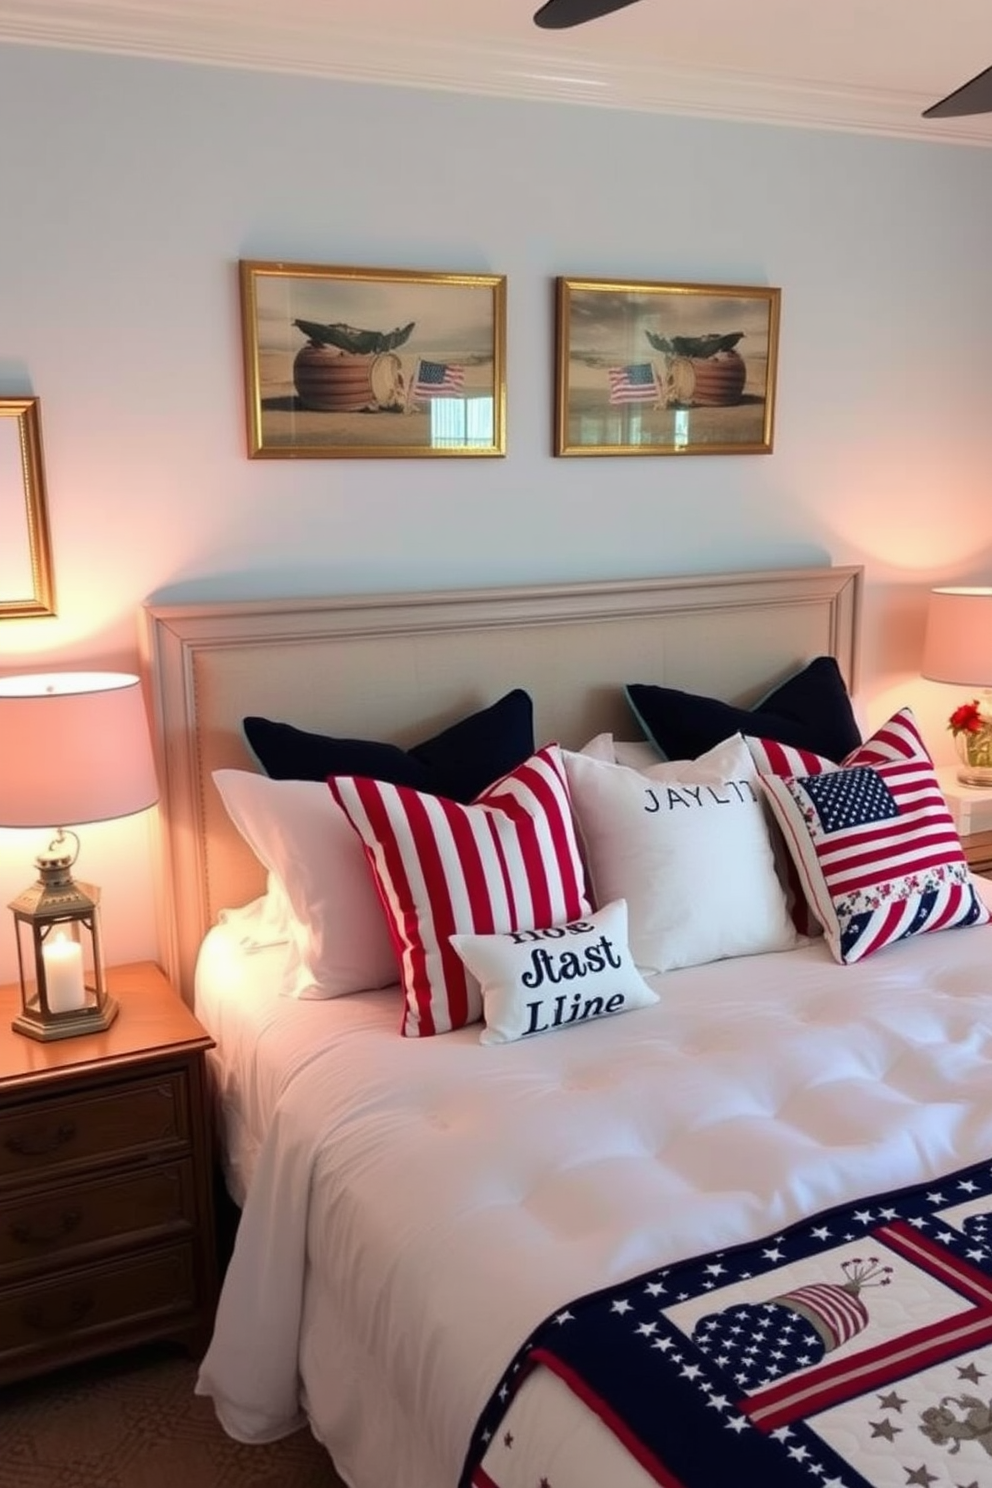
x: 866, y: 65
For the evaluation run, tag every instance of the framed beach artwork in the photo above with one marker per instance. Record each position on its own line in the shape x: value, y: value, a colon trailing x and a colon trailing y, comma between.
x: 352, y: 363
x: 664, y: 369
x: 27, y: 586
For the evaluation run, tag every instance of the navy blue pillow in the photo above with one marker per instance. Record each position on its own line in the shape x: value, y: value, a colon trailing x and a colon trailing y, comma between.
x: 460, y: 762
x: 812, y: 710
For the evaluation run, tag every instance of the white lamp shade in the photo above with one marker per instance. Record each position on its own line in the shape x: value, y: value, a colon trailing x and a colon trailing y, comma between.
x: 958, y: 643
x: 74, y: 748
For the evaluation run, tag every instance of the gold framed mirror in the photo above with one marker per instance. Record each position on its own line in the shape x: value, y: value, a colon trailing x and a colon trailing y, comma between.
x: 26, y: 584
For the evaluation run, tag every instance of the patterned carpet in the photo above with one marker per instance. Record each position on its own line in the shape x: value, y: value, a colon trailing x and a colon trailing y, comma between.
x: 134, y: 1422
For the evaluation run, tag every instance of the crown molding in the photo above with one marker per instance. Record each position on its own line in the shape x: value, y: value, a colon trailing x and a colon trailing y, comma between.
x: 296, y: 40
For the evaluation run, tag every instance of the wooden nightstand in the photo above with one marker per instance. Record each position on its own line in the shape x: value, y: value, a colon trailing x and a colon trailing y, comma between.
x: 971, y: 808
x: 106, y: 1205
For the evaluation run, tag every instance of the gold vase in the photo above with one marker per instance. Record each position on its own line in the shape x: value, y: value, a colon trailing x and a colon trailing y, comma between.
x: 974, y: 749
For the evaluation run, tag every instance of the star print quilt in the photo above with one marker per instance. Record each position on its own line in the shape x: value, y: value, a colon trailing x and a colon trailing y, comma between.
x: 850, y: 1350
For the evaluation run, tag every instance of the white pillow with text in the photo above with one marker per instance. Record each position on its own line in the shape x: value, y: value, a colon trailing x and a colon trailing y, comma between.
x: 536, y: 981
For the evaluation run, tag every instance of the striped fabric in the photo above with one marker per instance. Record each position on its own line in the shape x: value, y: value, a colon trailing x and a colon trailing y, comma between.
x: 836, y: 1313
x: 509, y: 861
x: 772, y: 758
x: 874, y: 844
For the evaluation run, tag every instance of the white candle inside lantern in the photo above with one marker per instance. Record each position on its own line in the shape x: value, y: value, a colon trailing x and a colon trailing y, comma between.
x: 64, y: 981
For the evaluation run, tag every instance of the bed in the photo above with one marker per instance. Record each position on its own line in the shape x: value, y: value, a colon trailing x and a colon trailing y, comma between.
x: 424, y: 1217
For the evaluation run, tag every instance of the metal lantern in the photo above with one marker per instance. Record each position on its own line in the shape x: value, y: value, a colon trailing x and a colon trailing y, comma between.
x: 74, y: 748
x: 59, y: 955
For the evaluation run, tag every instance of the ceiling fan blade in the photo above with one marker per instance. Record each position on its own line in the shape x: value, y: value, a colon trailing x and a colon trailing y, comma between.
x: 558, y: 15
x: 974, y: 97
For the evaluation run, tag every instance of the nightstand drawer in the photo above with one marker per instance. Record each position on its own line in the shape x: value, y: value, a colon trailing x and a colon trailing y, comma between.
x: 106, y: 1204
x: 978, y: 851
x: 130, y: 1291
x: 63, y: 1133
x: 83, y: 1219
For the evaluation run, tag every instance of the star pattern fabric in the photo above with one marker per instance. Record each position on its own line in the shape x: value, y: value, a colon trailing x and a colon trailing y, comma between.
x: 850, y: 798
x: 757, y: 1344
x: 777, y: 1363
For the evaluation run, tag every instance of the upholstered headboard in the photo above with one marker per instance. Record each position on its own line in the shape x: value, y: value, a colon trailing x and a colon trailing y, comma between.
x: 398, y: 667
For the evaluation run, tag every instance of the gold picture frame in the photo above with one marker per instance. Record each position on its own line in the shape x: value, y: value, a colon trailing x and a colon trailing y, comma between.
x: 658, y: 369
x: 383, y: 363
x: 27, y: 587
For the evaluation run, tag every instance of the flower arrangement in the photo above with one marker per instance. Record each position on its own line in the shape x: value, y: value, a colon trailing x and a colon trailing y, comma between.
x: 972, y: 730
x: 967, y: 719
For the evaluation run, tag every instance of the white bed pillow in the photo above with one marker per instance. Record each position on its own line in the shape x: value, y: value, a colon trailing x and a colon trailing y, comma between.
x: 686, y: 843
x: 299, y: 833
x: 265, y: 921
x: 637, y: 753
x: 536, y: 981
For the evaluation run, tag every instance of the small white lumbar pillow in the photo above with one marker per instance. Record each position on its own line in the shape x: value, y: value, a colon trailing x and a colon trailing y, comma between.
x: 534, y: 981
x: 686, y: 843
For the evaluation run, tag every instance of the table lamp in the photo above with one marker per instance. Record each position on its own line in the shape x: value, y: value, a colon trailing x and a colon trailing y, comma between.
x: 74, y: 748
x: 958, y: 648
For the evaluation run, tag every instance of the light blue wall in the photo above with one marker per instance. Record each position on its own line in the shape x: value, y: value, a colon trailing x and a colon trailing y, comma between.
x: 131, y: 188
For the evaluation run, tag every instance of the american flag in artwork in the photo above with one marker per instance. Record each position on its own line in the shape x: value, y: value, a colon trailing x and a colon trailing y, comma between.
x: 438, y: 379
x: 634, y: 383
x: 876, y: 845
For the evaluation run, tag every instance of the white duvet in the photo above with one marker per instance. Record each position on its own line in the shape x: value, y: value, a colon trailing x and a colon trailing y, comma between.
x: 413, y: 1208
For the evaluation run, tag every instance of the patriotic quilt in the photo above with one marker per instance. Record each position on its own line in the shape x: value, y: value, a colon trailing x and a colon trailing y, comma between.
x: 852, y: 1350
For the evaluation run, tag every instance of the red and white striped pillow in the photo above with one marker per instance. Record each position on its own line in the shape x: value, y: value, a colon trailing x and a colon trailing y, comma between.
x: 509, y: 861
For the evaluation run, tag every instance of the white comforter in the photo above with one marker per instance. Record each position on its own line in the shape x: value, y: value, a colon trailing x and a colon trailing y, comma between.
x: 415, y: 1207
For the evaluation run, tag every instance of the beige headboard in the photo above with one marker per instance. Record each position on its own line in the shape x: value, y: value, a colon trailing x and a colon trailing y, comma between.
x: 400, y: 666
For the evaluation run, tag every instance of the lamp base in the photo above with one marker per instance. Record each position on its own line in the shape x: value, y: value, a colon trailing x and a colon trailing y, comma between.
x: 975, y: 775
x: 974, y: 745
x: 67, y: 1025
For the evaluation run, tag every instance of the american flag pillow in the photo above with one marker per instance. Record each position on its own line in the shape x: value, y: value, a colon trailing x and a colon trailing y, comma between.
x: 509, y: 861
x: 772, y: 758
x: 874, y: 844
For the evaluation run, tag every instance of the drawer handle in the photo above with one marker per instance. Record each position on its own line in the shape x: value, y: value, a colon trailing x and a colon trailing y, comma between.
x: 40, y: 1144
x: 27, y: 1234
x: 59, y: 1317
